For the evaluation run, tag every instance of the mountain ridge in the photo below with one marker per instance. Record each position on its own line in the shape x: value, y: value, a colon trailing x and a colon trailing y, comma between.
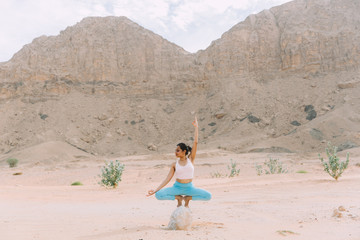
x: 111, y: 87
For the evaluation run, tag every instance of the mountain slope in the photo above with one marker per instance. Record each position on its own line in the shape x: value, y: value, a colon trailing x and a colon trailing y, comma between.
x: 286, y: 79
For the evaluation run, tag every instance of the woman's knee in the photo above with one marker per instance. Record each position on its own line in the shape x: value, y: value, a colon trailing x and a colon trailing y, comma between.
x: 207, y: 196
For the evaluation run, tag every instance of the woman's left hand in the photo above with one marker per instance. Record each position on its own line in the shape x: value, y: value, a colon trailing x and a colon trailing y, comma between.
x: 150, y: 192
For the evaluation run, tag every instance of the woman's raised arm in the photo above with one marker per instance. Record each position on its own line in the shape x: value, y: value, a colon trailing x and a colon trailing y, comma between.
x: 193, y: 150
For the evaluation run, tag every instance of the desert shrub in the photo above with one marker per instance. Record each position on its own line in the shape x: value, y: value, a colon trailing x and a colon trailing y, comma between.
x: 233, y: 170
x: 273, y: 166
x: 216, y: 175
x: 259, y: 169
x: 12, y: 162
x: 76, y: 184
x: 301, y: 171
x: 111, y: 174
x: 334, y: 167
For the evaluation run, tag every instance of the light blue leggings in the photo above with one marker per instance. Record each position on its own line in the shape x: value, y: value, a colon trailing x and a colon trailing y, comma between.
x: 183, y: 189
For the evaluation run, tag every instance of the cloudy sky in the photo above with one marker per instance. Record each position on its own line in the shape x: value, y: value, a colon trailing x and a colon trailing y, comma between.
x: 191, y: 24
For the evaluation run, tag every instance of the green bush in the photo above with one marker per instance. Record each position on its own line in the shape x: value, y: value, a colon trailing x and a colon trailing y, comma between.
x: 233, y: 170
x: 273, y: 166
x: 12, y: 162
x: 334, y: 167
x: 216, y: 175
x: 259, y: 169
x: 111, y: 174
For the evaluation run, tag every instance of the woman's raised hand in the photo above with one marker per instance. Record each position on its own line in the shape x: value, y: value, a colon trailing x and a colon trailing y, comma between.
x: 195, y: 123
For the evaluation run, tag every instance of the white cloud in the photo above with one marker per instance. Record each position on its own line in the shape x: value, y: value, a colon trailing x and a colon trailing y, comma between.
x: 192, y: 24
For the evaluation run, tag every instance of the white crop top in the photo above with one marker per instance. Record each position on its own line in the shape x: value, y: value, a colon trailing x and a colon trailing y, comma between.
x: 184, y: 172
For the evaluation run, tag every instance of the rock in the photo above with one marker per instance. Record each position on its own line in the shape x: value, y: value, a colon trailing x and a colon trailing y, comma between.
x: 311, y: 115
x: 337, y: 214
x: 220, y: 114
x: 308, y: 108
x: 152, y: 147
x: 326, y: 108
x: 253, y: 119
x: 355, y: 119
x: 295, y: 123
x: 347, y: 145
x: 43, y: 116
x: 181, y: 219
x: 345, y: 85
x: 316, y: 134
x: 239, y: 118
x: 341, y: 209
x: 102, y: 117
x: 271, y: 150
x: 120, y: 132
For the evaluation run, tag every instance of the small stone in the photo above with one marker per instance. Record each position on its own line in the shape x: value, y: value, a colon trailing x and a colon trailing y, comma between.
x: 311, y: 115
x: 152, y: 147
x: 325, y: 108
x: 102, y: 117
x: 295, y: 123
x: 120, y: 132
x: 220, y: 114
x: 341, y: 209
x: 308, y: 108
x: 253, y: 119
x: 345, y: 85
x: 337, y: 214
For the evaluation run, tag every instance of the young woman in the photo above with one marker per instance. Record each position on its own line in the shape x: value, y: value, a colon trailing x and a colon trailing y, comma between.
x: 183, y: 169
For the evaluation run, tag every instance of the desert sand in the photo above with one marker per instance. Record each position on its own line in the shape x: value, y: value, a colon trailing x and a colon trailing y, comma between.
x: 41, y: 204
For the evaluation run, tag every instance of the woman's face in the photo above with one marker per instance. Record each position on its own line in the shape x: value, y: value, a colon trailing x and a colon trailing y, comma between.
x: 179, y: 152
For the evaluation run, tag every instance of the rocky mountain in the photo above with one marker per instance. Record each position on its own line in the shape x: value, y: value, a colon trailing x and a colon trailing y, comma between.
x: 286, y: 79
x: 301, y: 36
x: 107, y: 50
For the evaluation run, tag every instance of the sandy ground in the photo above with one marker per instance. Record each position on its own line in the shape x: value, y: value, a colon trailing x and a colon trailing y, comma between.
x: 41, y: 204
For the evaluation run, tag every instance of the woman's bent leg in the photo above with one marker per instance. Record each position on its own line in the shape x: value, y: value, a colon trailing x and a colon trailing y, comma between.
x: 198, y: 194
x: 167, y: 193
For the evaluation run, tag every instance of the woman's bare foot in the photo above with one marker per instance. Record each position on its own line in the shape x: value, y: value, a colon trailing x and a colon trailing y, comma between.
x: 179, y: 198
x: 187, y: 200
